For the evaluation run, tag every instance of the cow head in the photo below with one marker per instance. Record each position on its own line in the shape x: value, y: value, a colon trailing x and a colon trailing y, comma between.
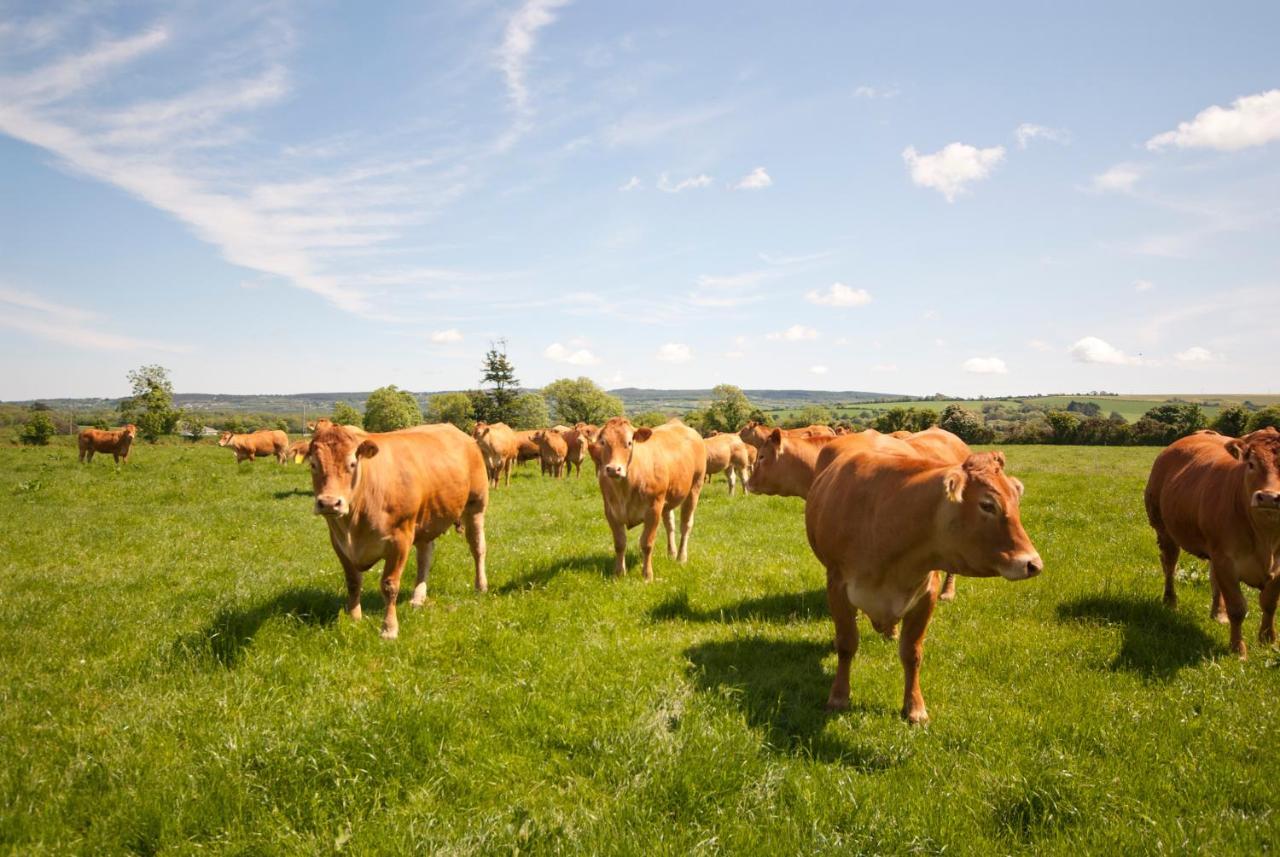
x: 765, y: 473
x: 586, y: 431
x: 985, y: 536
x: 1260, y: 452
x: 481, y: 429
x: 130, y: 431
x: 616, y: 443
x: 224, y: 438
x: 754, y: 434
x: 337, y: 455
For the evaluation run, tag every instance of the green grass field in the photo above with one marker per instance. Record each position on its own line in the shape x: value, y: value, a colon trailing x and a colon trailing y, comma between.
x: 175, y: 677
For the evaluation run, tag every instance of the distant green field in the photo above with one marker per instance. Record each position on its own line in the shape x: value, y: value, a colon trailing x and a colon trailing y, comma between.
x: 175, y: 678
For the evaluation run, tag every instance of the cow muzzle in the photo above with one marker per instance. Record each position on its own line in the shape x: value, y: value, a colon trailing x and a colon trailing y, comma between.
x: 615, y: 471
x: 1267, y: 500
x: 1022, y: 567
x: 331, y: 506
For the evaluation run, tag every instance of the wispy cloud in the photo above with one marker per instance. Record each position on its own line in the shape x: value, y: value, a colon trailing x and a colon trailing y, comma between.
x: 632, y: 183
x: 567, y: 354
x: 794, y: 333
x: 518, y: 42
x: 838, y: 294
x: 1118, y: 179
x: 446, y: 337
x: 873, y: 92
x: 36, y: 316
x: 757, y: 179
x: 693, y: 182
x: 1091, y: 349
x: 985, y: 366
x: 674, y: 352
x: 1028, y: 131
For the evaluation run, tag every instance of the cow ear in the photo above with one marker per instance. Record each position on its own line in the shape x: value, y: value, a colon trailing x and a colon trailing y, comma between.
x: 1017, y: 485
x: 1236, y: 448
x: 998, y: 457
x: 367, y: 449
x: 953, y: 483
x: 775, y: 436
x: 642, y: 434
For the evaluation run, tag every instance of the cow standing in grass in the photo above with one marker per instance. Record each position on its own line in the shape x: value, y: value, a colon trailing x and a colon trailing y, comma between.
x: 118, y: 443
x: 644, y: 474
x: 552, y: 450
x: 727, y: 454
x: 262, y: 442
x: 881, y: 523
x: 577, y: 439
x: 499, y: 447
x: 757, y: 434
x: 382, y: 494
x: 1218, y: 498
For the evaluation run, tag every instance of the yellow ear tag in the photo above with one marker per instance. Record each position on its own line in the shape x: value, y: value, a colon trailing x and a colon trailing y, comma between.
x: 297, y: 459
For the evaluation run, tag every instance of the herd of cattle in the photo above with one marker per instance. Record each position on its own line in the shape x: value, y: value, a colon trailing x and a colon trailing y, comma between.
x: 886, y: 514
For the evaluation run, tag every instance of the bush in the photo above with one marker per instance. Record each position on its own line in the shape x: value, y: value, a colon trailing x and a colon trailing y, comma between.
x: 150, y: 407
x: 528, y: 411
x: 1232, y: 421
x: 389, y: 409
x: 192, y: 426
x: 965, y: 425
x: 345, y: 415
x: 452, y: 408
x: 581, y: 401
x: 1268, y: 416
x: 37, y: 430
x: 650, y: 418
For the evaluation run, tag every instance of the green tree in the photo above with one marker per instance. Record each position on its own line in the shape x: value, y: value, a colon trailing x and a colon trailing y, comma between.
x: 807, y: 416
x: 1232, y: 421
x: 498, y: 372
x: 345, y: 415
x: 150, y: 407
x: 1268, y: 416
x: 650, y: 418
x: 1085, y: 409
x: 389, y: 409
x: 192, y: 425
x: 1063, y: 425
x: 581, y: 401
x: 528, y: 411
x: 38, y: 429
x: 729, y: 409
x: 758, y: 416
x: 1181, y: 418
x: 965, y: 425
x: 451, y: 408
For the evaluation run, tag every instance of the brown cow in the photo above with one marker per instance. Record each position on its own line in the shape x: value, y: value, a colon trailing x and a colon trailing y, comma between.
x: 644, y: 474
x: 757, y: 434
x: 297, y: 451
x: 576, y: 441
x: 118, y: 443
x: 726, y: 453
x: 381, y: 494
x: 881, y: 522
x: 526, y: 447
x: 1218, y: 498
x: 499, y: 447
x: 315, y: 425
x: 261, y: 442
x: 785, y: 466
x: 552, y: 450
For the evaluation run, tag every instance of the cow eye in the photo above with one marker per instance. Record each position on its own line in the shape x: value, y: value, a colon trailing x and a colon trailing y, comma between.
x: 988, y: 506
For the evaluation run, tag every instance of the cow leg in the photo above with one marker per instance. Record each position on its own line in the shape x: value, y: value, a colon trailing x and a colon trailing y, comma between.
x: 845, y: 616
x: 911, y: 651
x: 647, y: 538
x: 948, y: 592
x: 355, y: 582
x: 115, y: 458
x: 1169, y: 552
x: 687, y: 509
x: 397, y: 554
x: 1217, y: 610
x: 1229, y: 587
x: 1267, y: 601
x: 90, y: 457
x: 426, y: 553
x: 669, y: 524
x: 474, y: 525
x: 619, y: 547
x: 730, y: 477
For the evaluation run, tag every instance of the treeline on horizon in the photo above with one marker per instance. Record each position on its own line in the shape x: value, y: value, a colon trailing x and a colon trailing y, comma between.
x: 499, y: 398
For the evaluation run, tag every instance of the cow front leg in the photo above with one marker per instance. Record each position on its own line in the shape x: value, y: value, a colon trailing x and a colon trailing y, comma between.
x: 355, y: 583
x: 619, y: 547
x: 948, y: 592
x: 647, y: 537
x: 911, y: 651
x: 426, y: 553
x: 845, y: 617
x: 1233, y: 599
x: 669, y: 525
x: 474, y: 526
x: 391, y: 571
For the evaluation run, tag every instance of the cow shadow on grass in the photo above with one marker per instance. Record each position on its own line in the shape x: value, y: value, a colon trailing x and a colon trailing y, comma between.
x: 781, y: 689
x: 1158, y: 642
x: 540, y: 575
x: 293, y: 492
x: 786, y: 607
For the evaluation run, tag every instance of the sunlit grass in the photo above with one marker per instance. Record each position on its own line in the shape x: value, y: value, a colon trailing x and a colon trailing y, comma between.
x: 175, y: 675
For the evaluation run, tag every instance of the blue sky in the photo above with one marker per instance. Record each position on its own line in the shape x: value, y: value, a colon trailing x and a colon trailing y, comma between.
x: 972, y: 198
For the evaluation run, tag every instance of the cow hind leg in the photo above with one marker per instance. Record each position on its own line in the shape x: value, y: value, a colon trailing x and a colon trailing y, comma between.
x: 1267, y: 601
x: 687, y: 510
x: 426, y: 553
x: 948, y: 592
x: 669, y: 525
x: 1229, y: 587
x: 1169, y: 552
x: 391, y: 571
x: 473, y: 523
x: 1217, y: 609
x: 845, y: 616
x: 911, y: 651
x: 729, y: 475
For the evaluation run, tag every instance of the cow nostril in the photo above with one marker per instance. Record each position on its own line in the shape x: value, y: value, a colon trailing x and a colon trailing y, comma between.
x: 1034, y: 567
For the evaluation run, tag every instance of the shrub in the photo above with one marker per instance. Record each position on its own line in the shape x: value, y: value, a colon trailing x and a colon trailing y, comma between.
x: 965, y: 425
x: 580, y: 401
x: 37, y: 430
x: 452, y: 408
x: 1268, y: 416
x: 345, y: 415
x: 389, y: 409
x: 1232, y: 421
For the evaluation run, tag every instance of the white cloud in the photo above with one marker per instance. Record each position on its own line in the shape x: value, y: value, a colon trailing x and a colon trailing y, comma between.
x: 818, y: 370
x: 632, y: 183
x: 985, y: 366
x: 951, y: 168
x: 757, y: 179
x: 1039, y: 345
x: 518, y: 41
x: 667, y: 186
x: 873, y: 92
x: 1143, y: 285
x: 574, y: 357
x: 446, y: 336
x: 1091, y: 349
x: 1028, y: 131
x: 1119, y: 179
x: 794, y: 333
x: 838, y: 294
x: 35, y: 316
x: 674, y: 352
x: 1196, y: 354
x: 885, y: 367
x: 1253, y: 120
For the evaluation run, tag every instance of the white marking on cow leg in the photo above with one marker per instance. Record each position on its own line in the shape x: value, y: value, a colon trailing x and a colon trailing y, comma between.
x: 686, y: 523
x: 669, y: 524
x: 474, y: 525
x: 732, y: 480
x: 426, y: 553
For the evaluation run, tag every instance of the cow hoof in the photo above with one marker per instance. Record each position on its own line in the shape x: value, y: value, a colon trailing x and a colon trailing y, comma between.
x: 1240, y: 650
x: 838, y: 704
x: 947, y: 595
x: 418, y: 602
x: 1266, y: 636
x: 1220, y: 617
x: 355, y: 615
x: 1171, y: 601
x: 919, y: 717
x: 390, y: 633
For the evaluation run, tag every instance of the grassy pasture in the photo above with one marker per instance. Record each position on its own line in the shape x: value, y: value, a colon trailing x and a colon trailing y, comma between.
x: 175, y: 677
